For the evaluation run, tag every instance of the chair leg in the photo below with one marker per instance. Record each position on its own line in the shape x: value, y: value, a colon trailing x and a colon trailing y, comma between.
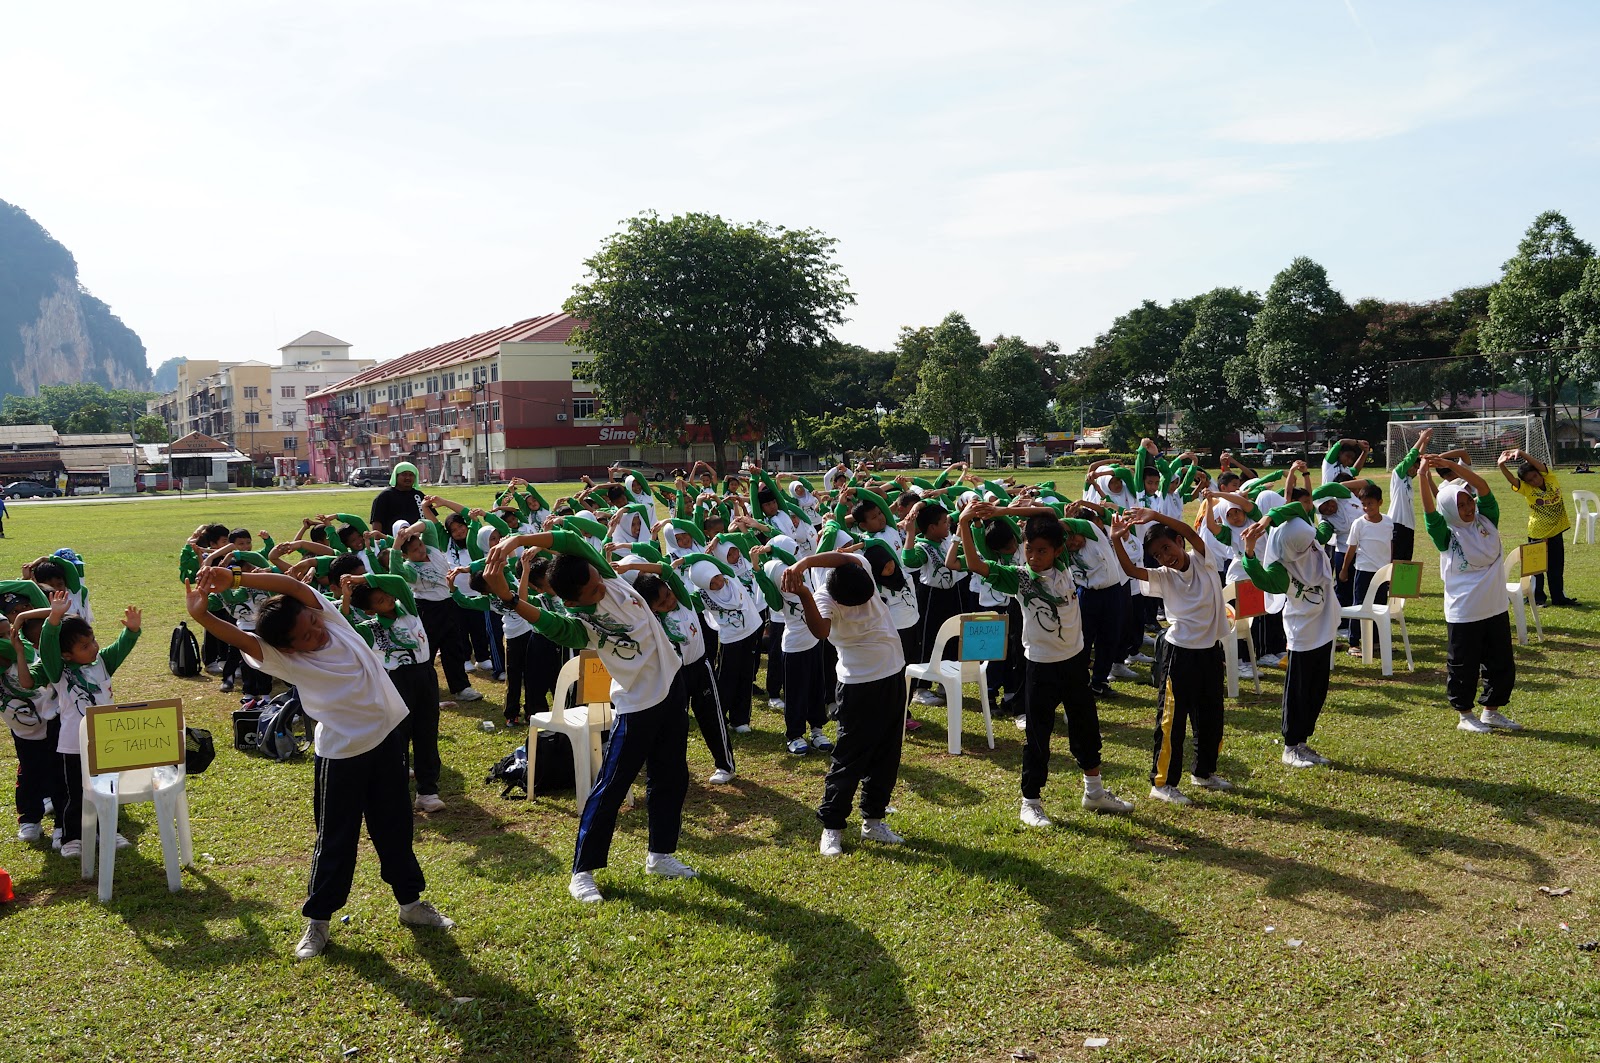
x: 185, y: 838
x: 1538, y: 625
x: 1521, y: 619
x: 167, y: 826
x: 108, y: 854
x: 1231, y: 659
x: 1369, y: 629
x: 983, y: 698
x: 1385, y: 646
x: 1411, y: 666
x: 89, y: 833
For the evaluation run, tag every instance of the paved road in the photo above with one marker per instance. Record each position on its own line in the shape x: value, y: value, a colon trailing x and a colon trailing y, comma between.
x: 186, y: 496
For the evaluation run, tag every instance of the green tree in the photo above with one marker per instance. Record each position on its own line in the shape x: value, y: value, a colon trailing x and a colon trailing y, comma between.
x: 1430, y: 349
x: 851, y: 377
x: 902, y: 434
x: 1298, y: 330
x: 60, y: 405
x: 1215, y: 386
x: 150, y: 429
x: 1133, y: 358
x: 945, y: 400
x: 1011, y: 396
x: 1528, y: 319
x: 694, y: 318
x: 836, y: 433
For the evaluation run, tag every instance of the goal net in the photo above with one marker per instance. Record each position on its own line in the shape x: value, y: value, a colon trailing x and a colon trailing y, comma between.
x: 1483, y: 438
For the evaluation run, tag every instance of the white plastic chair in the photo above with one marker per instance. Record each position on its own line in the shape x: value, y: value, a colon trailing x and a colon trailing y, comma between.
x: 1230, y: 645
x: 1377, y: 620
x: 1585, y: 515
x: 582, y: 724
x: 1520, y: 591
x: 949, y: 677
x: 104, y: 794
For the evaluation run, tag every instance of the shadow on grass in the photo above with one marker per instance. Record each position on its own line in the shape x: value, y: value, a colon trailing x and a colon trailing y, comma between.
x: 485, y: 844
x: 502, y: 1022
x: 180, y: 931
x: 1518, y: 802
x: 939, y: 788
x: 833, y: 964
x: 1074, y: 905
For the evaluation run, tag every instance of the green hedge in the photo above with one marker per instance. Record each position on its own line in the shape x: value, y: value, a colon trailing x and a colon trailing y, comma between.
x: 1083, y: 461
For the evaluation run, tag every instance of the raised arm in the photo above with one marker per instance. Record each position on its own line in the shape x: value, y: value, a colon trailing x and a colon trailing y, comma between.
x: 196, y: 595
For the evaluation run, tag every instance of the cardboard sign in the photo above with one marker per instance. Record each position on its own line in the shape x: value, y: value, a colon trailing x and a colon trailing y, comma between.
x: 1405, y: 579
x: 594, y: 679
x: 136, y: 734
x: 1249, y: 600
x: 1535, y: 558
x: 983, y: 636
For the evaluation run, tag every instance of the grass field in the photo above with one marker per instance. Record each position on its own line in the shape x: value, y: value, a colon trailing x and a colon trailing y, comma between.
x: 1387, y: 908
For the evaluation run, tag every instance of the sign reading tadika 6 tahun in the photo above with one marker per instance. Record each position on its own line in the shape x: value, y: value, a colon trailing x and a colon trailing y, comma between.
x: 135, y: 734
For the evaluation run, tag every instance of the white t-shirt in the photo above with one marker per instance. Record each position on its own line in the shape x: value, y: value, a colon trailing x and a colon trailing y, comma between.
x: 1196, y: 613
x: 1052, y: 628
x: 797, y: 638
x: 430, y: 584
x: 1402, y: 511
x: 343, y: 686
x: 1373, y: 542
x: 459, y: 556
x: 74, y: 692
x: 864, y: 635
x: 1096, y: 567
x: 635, y: 647
x: 401, y: 642
x: 27, y: 712
x: 683, y: 628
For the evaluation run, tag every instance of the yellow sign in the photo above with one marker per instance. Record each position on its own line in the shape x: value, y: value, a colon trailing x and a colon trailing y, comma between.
x: 137, y: 734
x: 594, y: 680
x: 1535, y: 558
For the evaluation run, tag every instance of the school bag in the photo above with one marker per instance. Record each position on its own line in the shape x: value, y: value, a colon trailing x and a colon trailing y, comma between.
x: 276, y: 735
x: 552, y: 770
x: 512, y: 771
x: 199, y: 750
x: 183, y: 652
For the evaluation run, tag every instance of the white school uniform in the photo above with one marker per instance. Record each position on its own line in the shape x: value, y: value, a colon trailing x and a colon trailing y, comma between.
x: 1373, y: 542
x: 867, y: 642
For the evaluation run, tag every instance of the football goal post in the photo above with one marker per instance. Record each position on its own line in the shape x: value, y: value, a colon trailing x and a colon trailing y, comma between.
x: 1483, y: 438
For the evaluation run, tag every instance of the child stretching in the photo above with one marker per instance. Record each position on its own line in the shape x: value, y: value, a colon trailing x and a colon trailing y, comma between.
x: 1466, y: 529
x: 29, y: 710
x: 1547, y: 519
x: 360, y: 743
x: 81, y: 672
x: 1052, y: 642
x: 849, y: 614
x: 648, y: 694
x: 1369, y: 546
x: 1190, y: 666
x: 1295, y: 567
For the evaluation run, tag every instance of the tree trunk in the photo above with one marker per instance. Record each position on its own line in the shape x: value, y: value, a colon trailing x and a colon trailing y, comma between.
x: 719, y: 443
x: 1305, y: 428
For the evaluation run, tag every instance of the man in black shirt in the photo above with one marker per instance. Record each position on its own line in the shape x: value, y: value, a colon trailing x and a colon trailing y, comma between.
x: 399, y: 501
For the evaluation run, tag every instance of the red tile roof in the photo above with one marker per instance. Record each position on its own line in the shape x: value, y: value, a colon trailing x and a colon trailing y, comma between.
x: 549, y: 328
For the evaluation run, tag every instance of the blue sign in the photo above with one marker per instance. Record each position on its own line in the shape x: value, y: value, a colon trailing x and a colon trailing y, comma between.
x: 983, y: 636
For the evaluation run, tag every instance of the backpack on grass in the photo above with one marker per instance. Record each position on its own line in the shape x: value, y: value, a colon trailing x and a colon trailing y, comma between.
x: 277, y: 736
x: 183, y: 652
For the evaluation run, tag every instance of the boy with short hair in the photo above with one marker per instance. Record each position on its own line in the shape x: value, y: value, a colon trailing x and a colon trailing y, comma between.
x: 1369, y: 545
x: 1052, y: 640
x: 847, y: 611
x: 359, y: 748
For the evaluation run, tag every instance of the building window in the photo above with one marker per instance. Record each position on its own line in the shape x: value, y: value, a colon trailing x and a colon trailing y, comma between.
x: 449, y: 381
x: 312, y: 389
x: 583, y: 409
x: 252, y: 417
x: 286, y: 392
x: 494, y: 371
x: 394, y: 392
x: 405, y: 390
x: 327, y: 354
x: 578, y: 370
x: 289, y: 417
x: 494, y: 413
x: 250, y: 391
x: 291, y: 442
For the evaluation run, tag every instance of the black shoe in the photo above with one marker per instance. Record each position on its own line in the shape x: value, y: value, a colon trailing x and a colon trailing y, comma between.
x: 1102, y: 690
x: 1563, y: 601
x: 227, y: 686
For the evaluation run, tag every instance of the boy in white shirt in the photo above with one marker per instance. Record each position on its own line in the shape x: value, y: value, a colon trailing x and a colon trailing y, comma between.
x: 849, y: 614
x: 1369, y: 545
x: 1052, y: 640
x: 1190, y: 665
x: 360, y: 741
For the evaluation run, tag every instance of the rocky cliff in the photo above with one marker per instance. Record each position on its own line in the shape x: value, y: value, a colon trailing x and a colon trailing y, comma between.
x: 52, y: 331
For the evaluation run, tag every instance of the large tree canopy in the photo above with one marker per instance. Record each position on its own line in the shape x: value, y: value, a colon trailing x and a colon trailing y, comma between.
x: 1215, y: 387
x: 1297, y: 332
x: 697, y: 319
x: 1011, y: 394
x: 950, y: 357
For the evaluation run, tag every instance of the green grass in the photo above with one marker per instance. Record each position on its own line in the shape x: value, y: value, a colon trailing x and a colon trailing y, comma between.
x: 1410, y: 872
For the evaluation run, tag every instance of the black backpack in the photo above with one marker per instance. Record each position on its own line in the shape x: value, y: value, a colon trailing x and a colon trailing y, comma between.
x: 284, y: 730
x: 183, y: 653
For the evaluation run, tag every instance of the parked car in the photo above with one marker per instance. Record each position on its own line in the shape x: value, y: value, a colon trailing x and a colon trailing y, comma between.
x: 28, y: 489
x: 368, y: 476
x: 154, y: 481
x: 619, y: 469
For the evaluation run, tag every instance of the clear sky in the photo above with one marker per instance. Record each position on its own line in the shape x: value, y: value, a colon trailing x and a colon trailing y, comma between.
x: 230, y: 175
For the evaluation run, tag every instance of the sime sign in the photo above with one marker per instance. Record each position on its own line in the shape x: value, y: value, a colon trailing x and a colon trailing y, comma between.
x: 618, y: 435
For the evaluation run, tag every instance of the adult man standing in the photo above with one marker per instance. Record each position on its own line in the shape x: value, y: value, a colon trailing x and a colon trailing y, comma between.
x: 399, y: 501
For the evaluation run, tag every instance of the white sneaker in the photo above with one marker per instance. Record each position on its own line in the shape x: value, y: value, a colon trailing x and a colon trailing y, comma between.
x: 821, y: 742
x: 1504, y: 723
x: 720, y: 777
x: 214, y: 668
x: 29, y: 832
x: 421, y: 913
x: 72, y: 849
x: 1033, y: 813
x: 1246, y: 670
x: 49, y: 806
x: 1021, y: 723
x: 583, y: 889
x: 1295, y: 757
x: 799, y: 746
x: 1150, y: 640
x: 1171, y: 795
x: 742, y: 729
x: 1211, y: 782
x: 313, y: 941
x: 876, y: 830
x: 428, y: 803
x: 667, y: 866
x: 927, y: 696
x: 1269, y: 660
x: 1312, y: 755
x: 776, y: 704
x: 1141, y: 658
x: 486, y: 666
x: 1104, y: 800
x: 832, y: 843
x: 1469, y: 722
x: 467, y: 694
x: 122, y: 843
x: 55, y: 838
x: 1122, y: 671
